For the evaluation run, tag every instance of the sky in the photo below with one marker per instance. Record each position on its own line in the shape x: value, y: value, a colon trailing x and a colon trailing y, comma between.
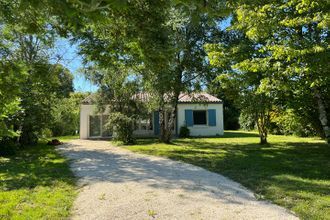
x: 73, y: 61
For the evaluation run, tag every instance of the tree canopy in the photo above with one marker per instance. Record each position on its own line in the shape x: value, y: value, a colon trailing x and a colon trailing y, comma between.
x: 272, y: 58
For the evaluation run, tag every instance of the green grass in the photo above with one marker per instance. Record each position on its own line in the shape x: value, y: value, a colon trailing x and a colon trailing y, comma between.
x: 36, y: 183
x: 291, y: 171
x: 65, y: 138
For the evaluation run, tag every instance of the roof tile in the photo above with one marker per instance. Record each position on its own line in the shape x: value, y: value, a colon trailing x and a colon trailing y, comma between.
x: 196, y: 97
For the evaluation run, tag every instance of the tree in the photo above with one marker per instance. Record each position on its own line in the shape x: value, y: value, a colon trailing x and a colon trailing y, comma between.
x: 117, y: 97
x: 10, y: 74
x: 296, y: 47
x: 291, y: 39
x: 188, y: 66
x: 246, y: 86
x: 43, y: 84
x: 250, y: 98
x: 231, y: 112
x: 65, y: 114
x: 167, y: 53
x: 27, y: 34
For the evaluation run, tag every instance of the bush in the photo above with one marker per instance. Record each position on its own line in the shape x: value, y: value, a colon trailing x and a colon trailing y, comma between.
x: 28, y: 138
x: 288, y: 123
x: 122, y: 127
x: 246, y: 121
x: 184, y: 132
x: 7, y: 147
x: 46, y: 133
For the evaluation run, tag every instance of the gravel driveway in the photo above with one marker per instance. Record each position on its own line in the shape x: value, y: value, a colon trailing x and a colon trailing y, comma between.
x: 118, y: 184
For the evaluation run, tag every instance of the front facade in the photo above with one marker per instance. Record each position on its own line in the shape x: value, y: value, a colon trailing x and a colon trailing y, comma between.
x: 200, y: 112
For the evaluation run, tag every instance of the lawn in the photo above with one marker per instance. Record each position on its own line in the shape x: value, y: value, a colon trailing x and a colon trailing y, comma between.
x: 291, y: 171
x: 36, y: 183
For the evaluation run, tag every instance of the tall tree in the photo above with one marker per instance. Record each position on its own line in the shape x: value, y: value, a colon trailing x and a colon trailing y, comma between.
x: 44, y: 82
x: 118, y: 98
x: 292, y: 40
x: 10, y: 74
x: 166, y: 49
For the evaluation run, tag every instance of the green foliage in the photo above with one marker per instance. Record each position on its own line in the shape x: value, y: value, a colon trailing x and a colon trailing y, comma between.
x: 164, y: 51
x: 7, y: 147
x: 38, y: 101
x: 118, y: 97
x: 279, y: 172
x: 66, y: 115
x: 231, y: 116
x: 247, y: 121
x: 46, y: 133
x: 292, y: 38
x: 122, y: 127
x: 283, y: 45
x: 184, y: 132
x: 288, y: 123
x: 11, y: 75
x: 42, y: 84
x: 231, y: 113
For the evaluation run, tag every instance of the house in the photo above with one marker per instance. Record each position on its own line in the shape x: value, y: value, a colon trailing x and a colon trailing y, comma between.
x: 201, y: 112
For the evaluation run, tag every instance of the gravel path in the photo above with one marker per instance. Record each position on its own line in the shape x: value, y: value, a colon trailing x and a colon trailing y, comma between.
x: 118, y: 184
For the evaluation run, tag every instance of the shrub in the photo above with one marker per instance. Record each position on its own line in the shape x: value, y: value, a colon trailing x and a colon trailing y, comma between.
x: 7, y: 147
x: 46, y: 133
x: 122, y: 127
x: 184, y: 132
x: 287, y: 122
x: 247, y: 121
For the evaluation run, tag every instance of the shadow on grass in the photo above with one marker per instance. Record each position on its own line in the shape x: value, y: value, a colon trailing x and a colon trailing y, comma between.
x: 229, y: 134
x: 308, y: 160
x: 151, y: 141
x: 34, y: 166
x: 292, y: 174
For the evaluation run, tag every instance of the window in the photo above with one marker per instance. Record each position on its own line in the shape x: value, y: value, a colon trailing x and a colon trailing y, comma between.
x: 145, y: 124
x: 94, y: 125
x: 199, y: 117
x: 97, y: 126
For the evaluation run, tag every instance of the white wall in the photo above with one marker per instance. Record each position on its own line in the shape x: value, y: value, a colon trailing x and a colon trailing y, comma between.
x: 202, y: 130
x: 85, y: 112
x: 197, y: 130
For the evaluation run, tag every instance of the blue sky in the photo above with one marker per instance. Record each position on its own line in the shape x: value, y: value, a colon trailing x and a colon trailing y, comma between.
x: 71, y: 60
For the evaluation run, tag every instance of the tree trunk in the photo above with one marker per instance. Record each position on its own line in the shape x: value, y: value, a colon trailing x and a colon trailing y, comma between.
x: 262, y: 127
x: 167, y: 123
x: 171, y: 117
x: 167, y: 119
x: 323, y: 116
x: 162, y: 125
x: 170, y: 125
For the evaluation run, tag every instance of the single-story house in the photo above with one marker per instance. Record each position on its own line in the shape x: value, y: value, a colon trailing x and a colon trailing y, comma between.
x: 201, y: 112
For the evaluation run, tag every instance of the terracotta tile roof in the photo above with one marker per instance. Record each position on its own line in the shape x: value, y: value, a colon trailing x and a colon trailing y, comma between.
x: 89, y: 100
x: 198, y: 97
x: 142, y: 96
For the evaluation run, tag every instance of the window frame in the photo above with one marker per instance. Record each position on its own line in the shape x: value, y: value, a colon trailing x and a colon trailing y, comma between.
x: 102, y: 130
x: 90, y: 126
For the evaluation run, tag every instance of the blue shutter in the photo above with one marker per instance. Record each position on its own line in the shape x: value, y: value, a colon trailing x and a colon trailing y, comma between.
x: 189, y: 117
x: 212, y: 117
x: 156, y: 123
